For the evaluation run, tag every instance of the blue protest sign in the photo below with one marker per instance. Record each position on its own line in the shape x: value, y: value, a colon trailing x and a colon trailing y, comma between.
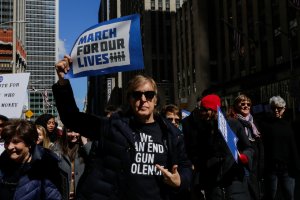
x: 228, y: 135
x: 108, y: 47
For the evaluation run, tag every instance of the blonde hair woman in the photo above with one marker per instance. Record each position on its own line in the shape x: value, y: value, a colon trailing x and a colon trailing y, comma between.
x: 43, y: 138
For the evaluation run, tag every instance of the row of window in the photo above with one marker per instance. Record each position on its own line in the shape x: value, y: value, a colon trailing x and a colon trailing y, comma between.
x: 31, y: 32
x: 40, y: 53
x: 40, y: 17
x: 43, y: 60
x: 39, y: 10
x: 46, y: 48
x: 5, y: 65
x: 49, y: 39
x: 40, y: 44
x: 39, y: 35
x: 35, y: 4
x: 40, y: 25
x: 37, y: 58
x: 34, y: 20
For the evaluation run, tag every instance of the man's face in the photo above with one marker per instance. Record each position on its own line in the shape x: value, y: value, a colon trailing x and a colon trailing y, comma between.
x: 142, y: 101
x: 206, y: 114
x: 174, y: 118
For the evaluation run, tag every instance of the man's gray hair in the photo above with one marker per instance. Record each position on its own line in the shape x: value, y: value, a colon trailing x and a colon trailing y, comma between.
x: 277, y: 101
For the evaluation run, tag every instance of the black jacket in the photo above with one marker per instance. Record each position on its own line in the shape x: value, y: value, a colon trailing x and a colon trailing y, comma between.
x: 106, y: 173
x: 209, y: 153
x: 280, y: 146
x: 40, y: 179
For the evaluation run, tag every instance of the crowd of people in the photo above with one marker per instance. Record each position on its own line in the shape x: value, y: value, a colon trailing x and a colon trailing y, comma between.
x: 144, y: 153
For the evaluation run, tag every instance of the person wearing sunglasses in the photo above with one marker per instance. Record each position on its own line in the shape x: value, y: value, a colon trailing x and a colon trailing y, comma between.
x: 172, y: 113
x: 140, y: 154
x: 254, y: 177
x: 215, y: 170
x: 281, y: 156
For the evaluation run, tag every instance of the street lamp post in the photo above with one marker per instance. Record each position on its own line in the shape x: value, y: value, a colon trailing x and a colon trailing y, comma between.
x: 44, y: 95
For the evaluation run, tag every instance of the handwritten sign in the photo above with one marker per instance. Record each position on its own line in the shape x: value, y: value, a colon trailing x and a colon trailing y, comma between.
x: 228, y: 135
x: 108, y: 47
x: 13, y: 88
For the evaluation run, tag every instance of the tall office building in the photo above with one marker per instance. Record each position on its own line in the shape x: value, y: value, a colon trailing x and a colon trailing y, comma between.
x: 233, y: 47
x: 42, y: 48
x: 156, y: 19
x: 157, y: 24
x: 191, y: 53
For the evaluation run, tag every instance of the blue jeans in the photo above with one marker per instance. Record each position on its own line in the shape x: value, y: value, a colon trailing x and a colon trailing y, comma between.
x: 282, y: 178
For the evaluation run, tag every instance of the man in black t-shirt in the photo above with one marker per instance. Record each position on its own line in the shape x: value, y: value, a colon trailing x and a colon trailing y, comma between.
x: 139, y: 156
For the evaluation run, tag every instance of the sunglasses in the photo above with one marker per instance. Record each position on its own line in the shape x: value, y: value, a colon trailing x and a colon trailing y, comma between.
x: 203, y: 109
x: 138, y: 94
x: 177, y: 121
x: 274, y: 108
x: 246, y: 104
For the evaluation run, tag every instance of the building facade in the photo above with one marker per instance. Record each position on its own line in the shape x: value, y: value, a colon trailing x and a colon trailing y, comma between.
x: 259, y: 51
x: 224, y: 47
x: 252, y: 46
x: 156, y: 19
x: 191, y: 58
x: 12, y: 36
x: 42, y: 48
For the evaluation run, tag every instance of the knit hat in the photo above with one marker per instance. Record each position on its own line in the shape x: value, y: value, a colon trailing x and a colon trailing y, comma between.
x: 211, y: 101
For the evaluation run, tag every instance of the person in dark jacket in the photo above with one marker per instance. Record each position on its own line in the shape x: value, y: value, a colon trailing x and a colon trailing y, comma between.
x: 140, y: 155
x: 3, y: 119
x: 254, y: 178
x: 215, y: 169
x: 27, y: 171
x: 73, y: 151
x: 281, y: 156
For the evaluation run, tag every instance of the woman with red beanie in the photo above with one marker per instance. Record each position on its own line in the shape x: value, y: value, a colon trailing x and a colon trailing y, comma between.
x: 216, y: 171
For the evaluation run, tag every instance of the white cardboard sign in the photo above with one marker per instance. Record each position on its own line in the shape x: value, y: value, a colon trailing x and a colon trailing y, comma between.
x: 13, y: 89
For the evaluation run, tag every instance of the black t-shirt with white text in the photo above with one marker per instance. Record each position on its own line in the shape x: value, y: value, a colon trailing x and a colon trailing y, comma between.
x: 150, y: 149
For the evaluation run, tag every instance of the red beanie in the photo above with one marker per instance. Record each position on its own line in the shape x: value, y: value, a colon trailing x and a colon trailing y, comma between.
x: 211, y: 101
